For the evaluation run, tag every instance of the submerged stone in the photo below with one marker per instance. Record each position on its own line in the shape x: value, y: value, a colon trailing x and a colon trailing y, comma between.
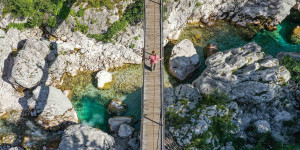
x: 116, y: 106
x: 209, y: 50
x: 295, y: 38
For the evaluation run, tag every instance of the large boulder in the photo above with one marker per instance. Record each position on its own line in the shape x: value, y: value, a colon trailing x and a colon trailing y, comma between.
x: 125, y: 131
x: 103, y: 78
x: 29, y: 64
x: 237, y: 69
x: 295, y: 38
x: 82, y: 137
x: 114, y: 123
x: 184, y: 60
x: 51, y: 107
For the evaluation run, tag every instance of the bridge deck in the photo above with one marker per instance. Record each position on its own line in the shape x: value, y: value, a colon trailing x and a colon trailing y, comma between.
x: 152, y: 131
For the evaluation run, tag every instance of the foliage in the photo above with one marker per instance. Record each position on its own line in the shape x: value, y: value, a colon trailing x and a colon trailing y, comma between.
x: 132, y: 46
x: 109, y: 4
x: 133, y: 14
x: 38, y: 12
x: 219, y: 129
x: 80, y: 13
x: 136, y: 37
x: 266, y: 141
x: 293, y: 66
x: 19, y: 26
x: 80, y: 27
x: 52, y: 22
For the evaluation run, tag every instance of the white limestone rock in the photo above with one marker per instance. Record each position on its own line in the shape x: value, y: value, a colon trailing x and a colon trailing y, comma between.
x: 184, y: 60
x: 82, y: 137
x: 103, y: 77
x: 52, y: 108
x: 262, y: 126
x: 125, y: 130
x: 29, y: 64
x: 237, y: 69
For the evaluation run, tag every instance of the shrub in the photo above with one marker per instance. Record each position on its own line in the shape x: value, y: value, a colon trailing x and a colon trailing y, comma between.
x: 132, y: 46
x: 133, y: 14
x: 37, y: 11
x: 19, y: 26
x: 52, y: 22
x: 293, y: 66
x: 80, y: 13
x: 80, y: 27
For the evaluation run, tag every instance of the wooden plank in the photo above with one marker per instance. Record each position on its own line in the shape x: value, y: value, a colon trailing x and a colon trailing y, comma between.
x: 152, y: 86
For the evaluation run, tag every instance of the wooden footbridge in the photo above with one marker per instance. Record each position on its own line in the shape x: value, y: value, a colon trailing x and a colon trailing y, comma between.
x: 152, y: 126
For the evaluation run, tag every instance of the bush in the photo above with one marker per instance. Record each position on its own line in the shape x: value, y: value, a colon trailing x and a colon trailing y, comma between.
x: 80, y: 13
x: 109, y: 4
x: 38, y: 11
x: 133, y: 14
x: 52, y: 22
x: 80, y: 27
x: 293, y: 66
x: 132, y: 45
x: 19, y: 26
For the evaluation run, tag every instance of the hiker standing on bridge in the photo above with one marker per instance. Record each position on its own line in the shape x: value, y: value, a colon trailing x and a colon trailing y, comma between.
x: 154, y: 58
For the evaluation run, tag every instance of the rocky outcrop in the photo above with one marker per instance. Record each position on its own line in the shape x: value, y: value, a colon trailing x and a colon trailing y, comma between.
x: 242, y: 68
x: 179, y: 13
x: 295, y: 38
x: 84, y: 137
x: 30, y: 63
x: 257, y: 92
x: 182, y: 103
x: 52, y: 108
x: 295, y: 55
x: 103, y: 78
x: 184, y: 60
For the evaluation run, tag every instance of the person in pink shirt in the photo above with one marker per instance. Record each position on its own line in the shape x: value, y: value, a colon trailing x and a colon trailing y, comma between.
x: 154, y: 58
